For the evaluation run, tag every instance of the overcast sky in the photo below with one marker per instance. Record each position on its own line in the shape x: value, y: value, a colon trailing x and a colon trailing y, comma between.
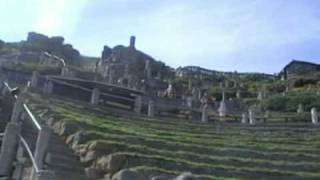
x: 243, y: 35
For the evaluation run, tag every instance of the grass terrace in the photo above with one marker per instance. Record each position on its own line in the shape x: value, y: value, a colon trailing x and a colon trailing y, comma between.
x: 218, y: 150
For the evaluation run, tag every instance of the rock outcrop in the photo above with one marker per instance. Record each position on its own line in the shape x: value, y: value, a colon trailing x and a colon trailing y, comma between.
x: 54, y: 45
x: 2, y: 43
x: 297, y: 69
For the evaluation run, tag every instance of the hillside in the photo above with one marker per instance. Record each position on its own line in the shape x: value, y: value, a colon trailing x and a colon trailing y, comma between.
x: 157, y: 147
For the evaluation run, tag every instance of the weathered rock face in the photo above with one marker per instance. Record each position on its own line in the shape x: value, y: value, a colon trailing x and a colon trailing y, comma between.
x: 296, y: 69
x: 128, y: 66
x: 55, y: 45
x: 106, y: 53
x: 2, y: 43
x: 128, y: 175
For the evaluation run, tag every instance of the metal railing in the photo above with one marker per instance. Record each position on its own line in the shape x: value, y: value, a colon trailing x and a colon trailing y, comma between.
x: 37, y: 157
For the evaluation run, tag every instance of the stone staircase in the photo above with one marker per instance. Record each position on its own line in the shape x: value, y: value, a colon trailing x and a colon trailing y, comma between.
x: 60, y: 158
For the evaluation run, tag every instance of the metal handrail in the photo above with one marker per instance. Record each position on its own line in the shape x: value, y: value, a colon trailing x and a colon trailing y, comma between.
x: 27, y: 147
x: 34, y: 120
x: 26, y: 108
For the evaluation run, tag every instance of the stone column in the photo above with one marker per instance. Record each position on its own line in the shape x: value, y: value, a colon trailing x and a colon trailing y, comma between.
x: 138, y: 104
x: 64, y: 71
x: 260, y: 95
x: 300, y: 109
x: 314, y: 116
x: 111, y: 76
x: 223, y: 107
x: 34, y: 79
x: 9, y: 148
x: 17, y: 108
x: 48, y: 87
x: 252, y: 118
x: 189, y: 100
x: 204, y: 116
x: 151, y: 108
x: 42, y: 145
x: 95, y: 95
x: 244, y: 119
x: 238, y: 94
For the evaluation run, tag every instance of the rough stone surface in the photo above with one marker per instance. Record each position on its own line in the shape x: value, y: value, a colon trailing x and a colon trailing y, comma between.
x: 186, y: 176
x: 93, y: 173
x: 161, y: 178
x: 128, y: 175
x: 112, y: 163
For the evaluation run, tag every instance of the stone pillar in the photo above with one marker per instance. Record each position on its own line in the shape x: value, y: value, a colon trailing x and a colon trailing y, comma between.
x: 64, y: 71
x: 9, y: 148
x: 19, y: 168
x: 223, y: 107
x: 252, y: 118
x: 260, y: 95
x: 95, y: 95
x: 314, y: 116
x: 34, y: 79
x: 189, y: 100
x: 42, y: 146
x: 300, y: 109
x: 244, y: 119
x: 204, y: 116
x: 151, y: 108
x: 132, y: 42
x: 147, y: 69
x: 111, y: 76
x: 48, y: 87
x: 138, y: 104
x: 17, y: 108
x: 238, y: 94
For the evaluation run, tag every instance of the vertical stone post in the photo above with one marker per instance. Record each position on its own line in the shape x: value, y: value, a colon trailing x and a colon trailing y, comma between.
x: 9, y: 148
x: 138, y: 104
x: 244, y: 118
x: 260, y: 95
x: 4, y: 90
x: 314, y: 116
x: 300, y: 109
x: 17, y: 108
x: 95, y: 95
x: 48, y: 86
x: 189, y: 100
x: 20, y: 162
x: 42, y: 145
x: 223, y: 107
x: 34, y: 79
x: 64, y: 71
x: 111, y: 76
x: 238, y: 94
x: 252, y: 118
x: 204, y: 115
x: 151, y: 108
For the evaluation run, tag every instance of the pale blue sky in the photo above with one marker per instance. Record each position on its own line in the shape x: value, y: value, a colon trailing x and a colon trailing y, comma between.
x: 243, y: 35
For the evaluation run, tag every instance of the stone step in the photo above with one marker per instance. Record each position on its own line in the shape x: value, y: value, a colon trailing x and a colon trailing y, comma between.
x: 57, y: 158
x: 67, y: 175
x: 66, y: 167
x: 60, y: 150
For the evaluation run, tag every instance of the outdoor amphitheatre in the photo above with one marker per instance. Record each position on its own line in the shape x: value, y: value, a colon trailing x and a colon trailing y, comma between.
x: 127, y: 116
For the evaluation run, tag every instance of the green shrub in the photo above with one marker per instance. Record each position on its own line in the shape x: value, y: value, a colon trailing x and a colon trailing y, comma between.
x: 291, y: 103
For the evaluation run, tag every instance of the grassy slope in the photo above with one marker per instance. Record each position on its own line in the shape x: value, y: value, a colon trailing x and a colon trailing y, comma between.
x: 210, y: 151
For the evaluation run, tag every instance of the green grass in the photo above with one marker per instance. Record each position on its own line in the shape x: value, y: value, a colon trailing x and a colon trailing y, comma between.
x: 210, y: 151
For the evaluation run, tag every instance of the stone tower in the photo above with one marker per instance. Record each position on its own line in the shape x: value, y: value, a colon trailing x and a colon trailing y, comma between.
x: 132, y: 42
